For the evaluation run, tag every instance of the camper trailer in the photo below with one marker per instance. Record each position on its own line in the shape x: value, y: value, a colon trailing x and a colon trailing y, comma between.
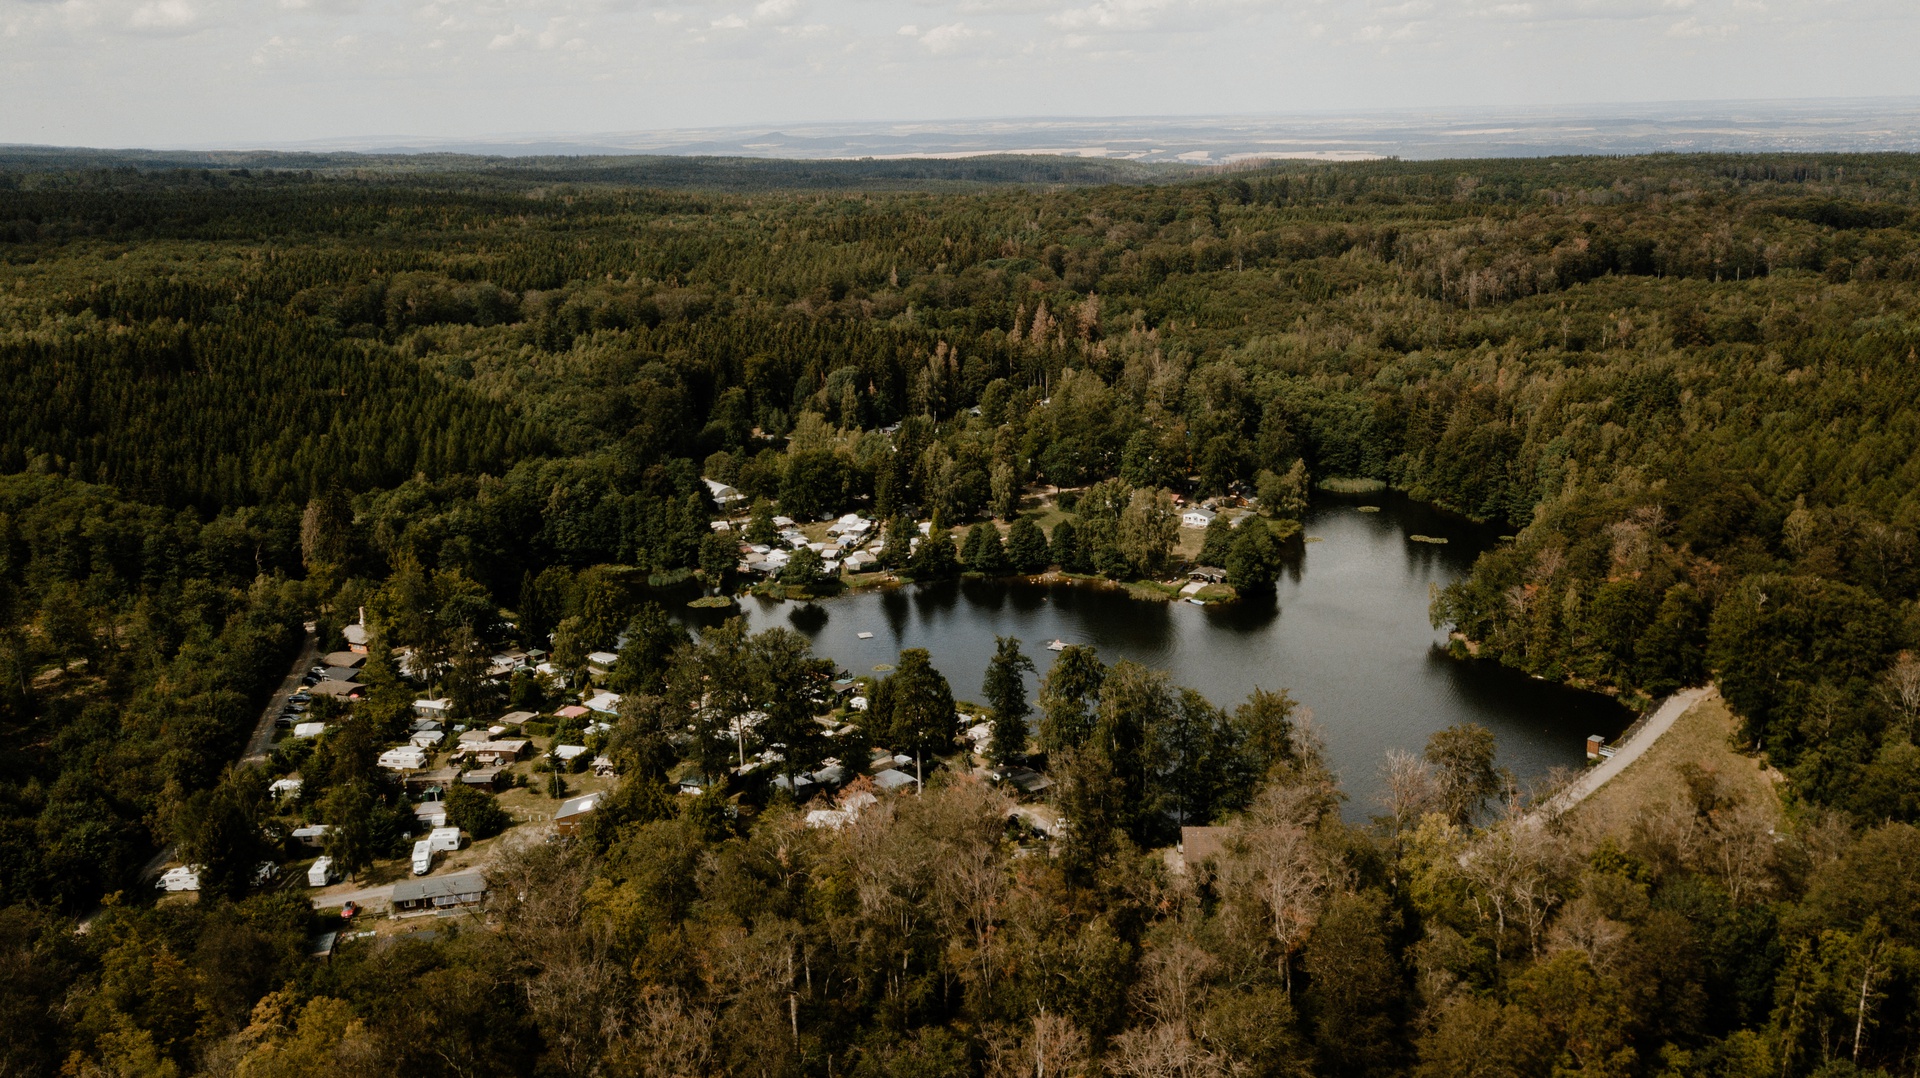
x: 423, y: 857
x: 320, y: 873
x: 444, y: 839
x: 180, y: 878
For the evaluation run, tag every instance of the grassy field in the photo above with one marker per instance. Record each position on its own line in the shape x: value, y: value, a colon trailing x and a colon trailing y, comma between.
x: 1702, y: 736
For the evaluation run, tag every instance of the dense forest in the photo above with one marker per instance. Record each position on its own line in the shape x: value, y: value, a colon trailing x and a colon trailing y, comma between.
x: 475, y: 400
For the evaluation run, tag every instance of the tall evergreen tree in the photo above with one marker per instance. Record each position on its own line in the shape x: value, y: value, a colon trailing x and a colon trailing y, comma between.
x: 1068, y: 697
x: 1135, y: 705
x: 897, y: 547
x: 1194, y: 746
x: 349, y: 840
x: 921, y: 715
x: 1006, y: 691
x: 792, y: 687
x: 983, y: 553
x: 1027, y: 547
x: 651, y: 638
x: 1066, y: 549
x: 1265, y: 730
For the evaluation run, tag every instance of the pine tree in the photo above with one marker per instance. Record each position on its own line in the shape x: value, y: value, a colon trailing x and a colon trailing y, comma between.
x: 921, y: 715
x: 793, y: 686
x: 1006, y: 691
x: 984, y: 554
x: 1027, y: 547
x: 1189, y: 745
x: 970, y: 548
x: 1066, y: 550
x: 650, y: 639
x: 1067, y: 698
x: 349, y: 838
x: 897, y: 549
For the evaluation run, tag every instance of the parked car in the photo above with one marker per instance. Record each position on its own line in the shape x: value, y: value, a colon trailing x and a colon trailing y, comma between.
x: 302, y: 697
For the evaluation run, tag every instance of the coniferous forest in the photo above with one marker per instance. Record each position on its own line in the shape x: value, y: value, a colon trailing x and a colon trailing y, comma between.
x: 464, y: 408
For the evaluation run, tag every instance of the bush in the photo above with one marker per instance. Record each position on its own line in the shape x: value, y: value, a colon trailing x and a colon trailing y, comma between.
x: 476, y: 813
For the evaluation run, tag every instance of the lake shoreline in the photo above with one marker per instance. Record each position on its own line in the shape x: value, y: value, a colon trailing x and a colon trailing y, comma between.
x: 1345, y: 631
x: 1146, y: 591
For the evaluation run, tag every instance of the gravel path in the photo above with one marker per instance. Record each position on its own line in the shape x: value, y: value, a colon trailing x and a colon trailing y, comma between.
x: 1624, y: 755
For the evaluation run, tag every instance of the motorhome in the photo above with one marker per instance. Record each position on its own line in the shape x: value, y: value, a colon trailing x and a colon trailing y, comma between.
x: 423, y: 857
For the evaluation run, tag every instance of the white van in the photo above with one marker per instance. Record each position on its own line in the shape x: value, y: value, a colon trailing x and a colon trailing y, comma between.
x: 444, y: 839
x: 423, y: 857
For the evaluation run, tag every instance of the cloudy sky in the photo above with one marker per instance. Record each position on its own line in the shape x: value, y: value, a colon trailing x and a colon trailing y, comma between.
x: 236, y: 73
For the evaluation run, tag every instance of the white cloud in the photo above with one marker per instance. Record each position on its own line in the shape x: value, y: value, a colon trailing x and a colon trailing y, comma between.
x: 1695, y: 28
x: 143, y: 71
x: 947, y: 37
x: 1111, y: 15
x: 162, y: 15
x: 327, y: 7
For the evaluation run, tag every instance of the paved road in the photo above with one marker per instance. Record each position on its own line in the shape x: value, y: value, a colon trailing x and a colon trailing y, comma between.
x: 262, y: 742
x: 1624, y: 755
x: 367, y: 898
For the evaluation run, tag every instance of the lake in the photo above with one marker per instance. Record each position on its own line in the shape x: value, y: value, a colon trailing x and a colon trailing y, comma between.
x: 1346, y: 633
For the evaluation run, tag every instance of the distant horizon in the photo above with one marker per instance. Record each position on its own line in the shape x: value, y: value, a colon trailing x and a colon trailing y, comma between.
x: 1885, y: 123
x: 198, y: 73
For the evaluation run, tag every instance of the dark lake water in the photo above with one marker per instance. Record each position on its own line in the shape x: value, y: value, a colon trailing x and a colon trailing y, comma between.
x: 1346, y: 633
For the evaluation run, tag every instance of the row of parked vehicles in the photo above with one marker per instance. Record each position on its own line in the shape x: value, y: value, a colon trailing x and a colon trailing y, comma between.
x: 297, y: 704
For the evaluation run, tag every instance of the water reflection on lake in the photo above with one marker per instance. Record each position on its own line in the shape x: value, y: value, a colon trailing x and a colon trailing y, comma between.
x: 1346, y: 632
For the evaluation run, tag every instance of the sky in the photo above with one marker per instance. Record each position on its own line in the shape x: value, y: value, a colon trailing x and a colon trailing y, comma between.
x: 246, y: 73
